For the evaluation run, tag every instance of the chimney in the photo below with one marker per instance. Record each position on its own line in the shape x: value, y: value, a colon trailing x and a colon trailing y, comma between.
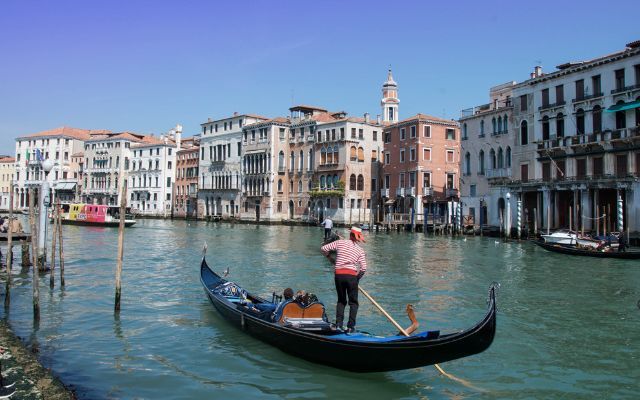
x: 366, y: 118
x: 538, y: 71
x: 235, y: 113
x: 209, y: 119
x: 378, y: 119
x: 532, y: 75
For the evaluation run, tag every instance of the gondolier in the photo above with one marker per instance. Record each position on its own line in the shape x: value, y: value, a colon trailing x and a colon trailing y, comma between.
x: 350, y: 266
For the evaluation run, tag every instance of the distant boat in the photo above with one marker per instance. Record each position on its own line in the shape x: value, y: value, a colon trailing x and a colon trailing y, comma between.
x: 563, y: 236
x: 364, y: 227
x: 94, y: 215
x: 574, y: 250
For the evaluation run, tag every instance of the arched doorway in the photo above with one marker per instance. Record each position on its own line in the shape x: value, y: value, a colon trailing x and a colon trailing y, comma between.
x: 501, y: 213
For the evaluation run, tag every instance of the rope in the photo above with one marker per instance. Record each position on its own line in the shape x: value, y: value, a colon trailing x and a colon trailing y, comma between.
x: 603, y: 215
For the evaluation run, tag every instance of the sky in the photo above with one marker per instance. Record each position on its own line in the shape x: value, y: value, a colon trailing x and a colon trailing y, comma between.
x: 145, y: 66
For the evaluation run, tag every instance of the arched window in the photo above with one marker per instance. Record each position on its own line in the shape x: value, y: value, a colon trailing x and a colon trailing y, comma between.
x: 301, y: 161
x: 524, y: 133
x: 481, y: 162
x: 336, y: 154
x: 335, y: 181
x: 505, y: 123
x: 281, y: 161
x: 329, y: 155
x: 580, y: 122
x: 467, y: 163
x: 545, y: 128
x: 621, y: 118
x: 323, y: 156
x: 352, y: 182
x: 323, y: 182
x: 300, y: 186
x: 353, y: 153
x: 310, y: 184
x: 493, y: 124
x: 492, y: 156
x: 560, y: 125
x: 360, y: 182
x: 279, y: 185
x: 464, y: 130
x: 500, y: 158
x: 360, y: 154
x: 292, y: 161
x: 508, y: 158
x: 499, y: 124
x: 482, y: 128
x: 310, y: 161
x: 596, y: 114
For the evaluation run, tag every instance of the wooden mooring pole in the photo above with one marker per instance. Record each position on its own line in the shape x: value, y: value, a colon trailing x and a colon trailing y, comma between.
x: 34, y: 248
x: 7, y: 292
x: 60, y: 246
x: 54, y: 232
x: 123, y: 209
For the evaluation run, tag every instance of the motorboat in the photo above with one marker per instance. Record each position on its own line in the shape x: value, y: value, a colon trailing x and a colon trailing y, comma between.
x: 563, y: 236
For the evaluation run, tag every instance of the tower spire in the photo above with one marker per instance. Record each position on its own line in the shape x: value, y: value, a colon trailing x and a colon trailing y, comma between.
x: 390, y: 100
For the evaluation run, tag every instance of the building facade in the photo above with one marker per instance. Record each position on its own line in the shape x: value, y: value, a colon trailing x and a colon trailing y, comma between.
x: 220, y: 184
x: 7, y: 172
x: 151, y: 177
x: 185, y: 190
x: 421, y: 169
x: 487, y: 143
x: 57, y: 145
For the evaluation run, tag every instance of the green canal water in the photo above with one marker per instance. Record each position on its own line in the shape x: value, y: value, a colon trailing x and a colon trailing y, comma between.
x: 567, y: 327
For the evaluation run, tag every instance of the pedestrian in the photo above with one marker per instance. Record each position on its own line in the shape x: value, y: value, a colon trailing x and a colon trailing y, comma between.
x: 622, y: 243
x: 328, y: 225
x: 350, y: 267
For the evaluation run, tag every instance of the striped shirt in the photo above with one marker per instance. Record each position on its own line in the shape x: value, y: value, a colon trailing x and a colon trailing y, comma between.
x: 349, y: 257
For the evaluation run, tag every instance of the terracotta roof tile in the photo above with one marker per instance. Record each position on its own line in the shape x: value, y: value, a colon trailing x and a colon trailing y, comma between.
x: 66, y: 131
x: 7, y: 160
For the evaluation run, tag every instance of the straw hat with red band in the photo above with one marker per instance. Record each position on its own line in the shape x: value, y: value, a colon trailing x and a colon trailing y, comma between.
x: 356, y: 232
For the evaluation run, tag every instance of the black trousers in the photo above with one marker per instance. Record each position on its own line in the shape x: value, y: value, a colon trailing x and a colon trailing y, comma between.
x: 327, y: 233
x: 347, y: 287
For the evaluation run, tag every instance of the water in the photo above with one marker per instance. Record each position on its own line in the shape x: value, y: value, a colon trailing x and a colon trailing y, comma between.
x: 568, y: 327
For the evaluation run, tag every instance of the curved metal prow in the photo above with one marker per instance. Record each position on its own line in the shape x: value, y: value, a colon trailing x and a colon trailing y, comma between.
x: 204, y: 250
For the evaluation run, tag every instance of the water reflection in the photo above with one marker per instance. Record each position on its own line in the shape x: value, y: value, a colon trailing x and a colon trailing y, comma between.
x: 168, y: 340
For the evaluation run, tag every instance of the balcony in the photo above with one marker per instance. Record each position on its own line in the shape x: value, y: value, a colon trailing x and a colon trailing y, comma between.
x: 400, y: 192
x: 427, y: 191
x: 552, y: 105
x: 411, y: 191
x: 281, y: 169
x: 384, y: 193
x: 625, y: 89
x: 498, y: 173
x: 452, y: 192
x: 587, y: 97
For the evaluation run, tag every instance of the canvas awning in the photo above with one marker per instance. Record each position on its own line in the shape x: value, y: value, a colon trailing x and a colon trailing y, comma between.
x: 65, y: 186
x: 624, y: 106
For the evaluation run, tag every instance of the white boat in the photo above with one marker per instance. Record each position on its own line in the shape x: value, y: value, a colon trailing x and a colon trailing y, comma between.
x: 589, y: 242
x: 563, y: 236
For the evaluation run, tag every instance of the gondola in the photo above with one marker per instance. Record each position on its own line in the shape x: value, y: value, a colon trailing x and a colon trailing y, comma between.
x: 309, y: 335
x: 574, y: 250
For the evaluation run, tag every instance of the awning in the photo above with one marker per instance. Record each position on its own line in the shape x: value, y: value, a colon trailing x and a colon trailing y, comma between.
x: 389, y: 202
x: 624, y: 106
x: 65, y: 186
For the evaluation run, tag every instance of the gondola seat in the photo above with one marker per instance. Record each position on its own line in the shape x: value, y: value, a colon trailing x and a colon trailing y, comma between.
x: 295, y: 310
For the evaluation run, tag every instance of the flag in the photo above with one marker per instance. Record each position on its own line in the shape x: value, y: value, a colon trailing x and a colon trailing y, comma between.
x: 39, y: 155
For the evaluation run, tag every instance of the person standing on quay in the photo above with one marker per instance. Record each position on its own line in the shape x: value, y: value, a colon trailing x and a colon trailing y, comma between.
x: 350, y: 266
x: 328, y: 225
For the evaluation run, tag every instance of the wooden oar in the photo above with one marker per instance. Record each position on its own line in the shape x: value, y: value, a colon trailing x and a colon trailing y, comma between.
x: 393, y: 321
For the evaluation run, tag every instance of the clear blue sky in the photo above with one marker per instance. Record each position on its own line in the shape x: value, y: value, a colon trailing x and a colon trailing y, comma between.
x: 144, y: 66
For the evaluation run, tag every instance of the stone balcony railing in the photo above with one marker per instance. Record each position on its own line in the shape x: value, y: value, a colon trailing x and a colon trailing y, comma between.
x: 400, y: 192
x: 384, y: 193
x: 598, y: 137
x: 498, y: 173
x: 427, y: 191
x: 452, y: 192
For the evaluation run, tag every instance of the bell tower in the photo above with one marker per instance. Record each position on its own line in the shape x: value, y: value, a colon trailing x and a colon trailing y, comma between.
x: 390, y: 100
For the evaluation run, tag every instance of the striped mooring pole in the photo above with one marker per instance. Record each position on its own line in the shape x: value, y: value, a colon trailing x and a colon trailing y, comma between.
x: 620, y: 215
x: 519, y: 219
x: 459, y: 217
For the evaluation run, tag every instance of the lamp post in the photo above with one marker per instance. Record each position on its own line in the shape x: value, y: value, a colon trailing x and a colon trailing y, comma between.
x: 43, y: 203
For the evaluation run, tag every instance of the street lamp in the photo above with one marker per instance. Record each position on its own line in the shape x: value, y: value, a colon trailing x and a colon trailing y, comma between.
x: 43, y: 203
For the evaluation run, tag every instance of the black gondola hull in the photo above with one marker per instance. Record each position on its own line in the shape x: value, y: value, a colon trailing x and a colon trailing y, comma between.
x: 356, y: 356
x: 572, y: 250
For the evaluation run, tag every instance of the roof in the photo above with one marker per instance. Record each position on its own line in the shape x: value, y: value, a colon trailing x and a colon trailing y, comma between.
x: 272, y: 121
x: 235, y: 115
x: 66, y: 131
x: 302, y: 107
x: 425, y: 117
x: 78, y: 154
x: 151, y: 140
x: 7, y: 160
x: 134, y: 137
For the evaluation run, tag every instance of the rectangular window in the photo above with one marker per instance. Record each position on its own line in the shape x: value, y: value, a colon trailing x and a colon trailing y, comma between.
x: 374, y: 186
x: 596, y: 85
x: 341, y: 133
x: 619, y: 79
x: 168, y: 181
x: 387, y: 181
x: 353, y: 133
x: 426, y: 154
x: 636, y: 69
x: 360, y: 133
x: 402, y: 134
x: 450, y: 156
x: 451, y: 181
x: 387, y: 137
x: 546, y: 171
x: 401, y: 180
x: 581, y: 168
x: 412, y: 132
x: 426, y: 180
x: 523, y: 102
x: 333, y: 134
x: 580, y: 89
x: 387, y: 158
x: 401, y: 155
x: 621, y: 166
x: 169, y: 165
x: 524, y: 173
x: 598, y: 166
x: 412, y: 154
x: 545, y: 97
x: 560, y: 94
x: 374, y: 155
x: 427, y: 131
x: 375, y: 136
x: 472, y: 190
x: 412, y: 179
x: 450, y: 134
